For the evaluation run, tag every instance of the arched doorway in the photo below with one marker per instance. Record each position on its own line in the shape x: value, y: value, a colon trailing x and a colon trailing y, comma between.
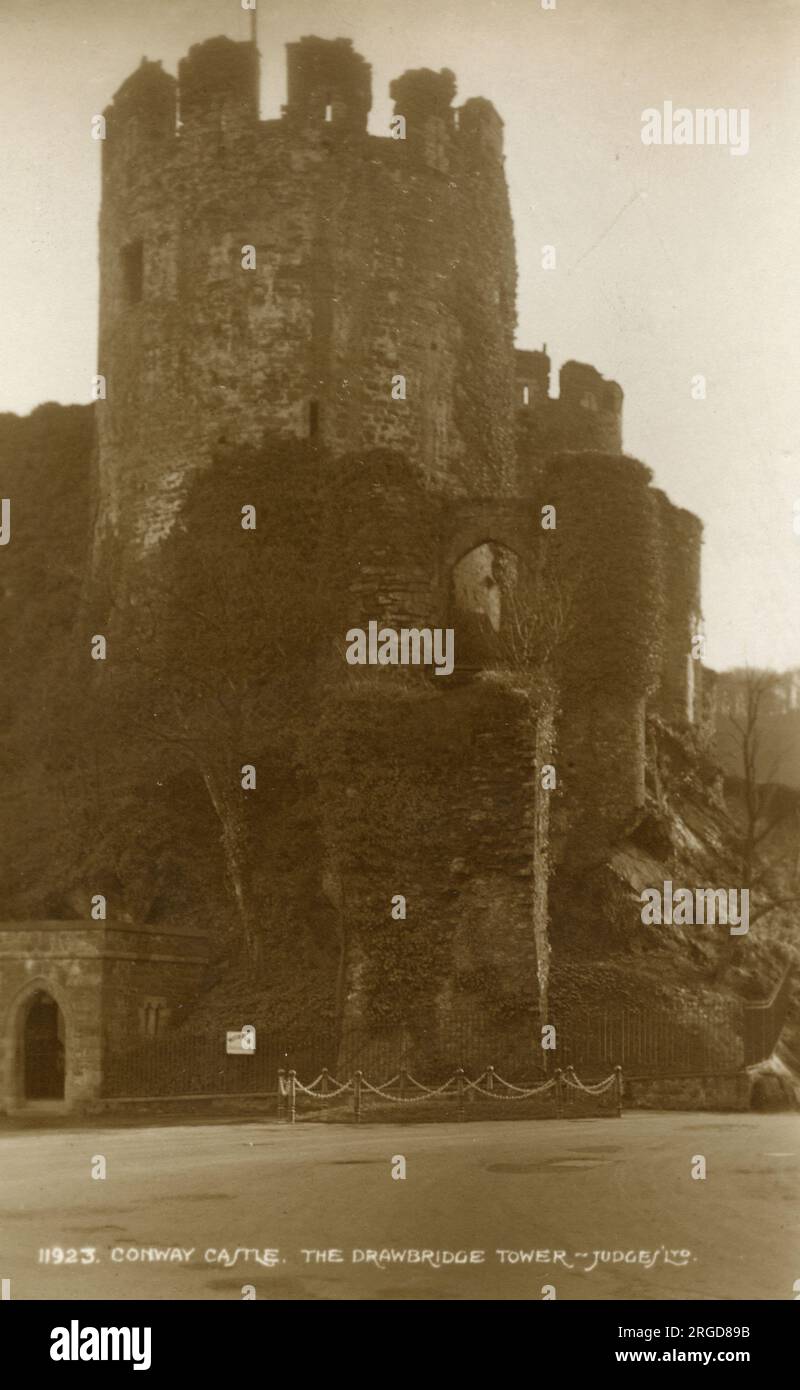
x: 43, y: 1049
x: 491, y: 607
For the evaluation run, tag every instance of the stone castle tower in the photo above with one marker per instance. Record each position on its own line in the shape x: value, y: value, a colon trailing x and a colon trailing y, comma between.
x: 280, y: 276
x: 374, y: 257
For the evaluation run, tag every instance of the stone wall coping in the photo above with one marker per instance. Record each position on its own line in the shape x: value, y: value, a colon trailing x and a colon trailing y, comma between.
x: 102, y: 957
x: 84, y: 925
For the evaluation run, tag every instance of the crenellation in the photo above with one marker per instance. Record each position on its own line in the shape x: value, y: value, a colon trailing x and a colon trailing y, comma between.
x: 480, y: 133
x: 585, y: 415
x: 422, y: 94
x: 329, y: 84
x: 218, y: 86
x: 147, y: 100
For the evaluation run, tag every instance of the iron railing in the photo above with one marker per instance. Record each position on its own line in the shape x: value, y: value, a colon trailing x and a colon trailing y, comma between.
x: 763, y: 1022
x: 715, y: 1036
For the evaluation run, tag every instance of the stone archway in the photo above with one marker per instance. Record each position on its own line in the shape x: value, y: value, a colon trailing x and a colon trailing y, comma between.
x: 475, y: 604
x: 42, y: 1038
x: 488, y: 559
x: 36, y: 1057
x: 510, y: 523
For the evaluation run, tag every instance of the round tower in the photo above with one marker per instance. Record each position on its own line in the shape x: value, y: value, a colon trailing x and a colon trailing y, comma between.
x: 299, y: 277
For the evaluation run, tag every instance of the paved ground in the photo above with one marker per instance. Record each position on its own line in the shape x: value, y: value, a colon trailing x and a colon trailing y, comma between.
x: 574, y: 1186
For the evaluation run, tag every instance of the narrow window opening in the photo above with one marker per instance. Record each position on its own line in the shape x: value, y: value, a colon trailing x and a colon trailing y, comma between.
x: 153, y: 1017
x: 328, y: 108
x: 313, y: 419
x: 526, y: 395
x: 133, y: 271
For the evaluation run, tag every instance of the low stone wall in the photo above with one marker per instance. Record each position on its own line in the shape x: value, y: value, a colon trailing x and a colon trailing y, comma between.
x: 726, y: 1092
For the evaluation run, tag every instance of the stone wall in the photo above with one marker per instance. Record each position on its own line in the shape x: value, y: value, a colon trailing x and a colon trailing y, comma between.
x: 436, y: 797
x: 715, y: 1093
x: 101, y: 975
x: 679, y: 697
x: 586, y: 415
x: 604, y: 583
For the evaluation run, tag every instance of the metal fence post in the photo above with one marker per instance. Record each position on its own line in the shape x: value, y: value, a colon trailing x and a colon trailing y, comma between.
x: 292, y: 1095
x: 323, y: 1089
x: 281, y: 1093
x: 618, y: 1074
x: 460, y: 1091
x: 559, y: 1093
x: 405, y: 1049
x: 357, y: 1079
x: 490, y: 1078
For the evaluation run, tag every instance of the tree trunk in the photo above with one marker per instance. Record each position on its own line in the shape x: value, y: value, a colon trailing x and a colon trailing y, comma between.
x: 236, y: 852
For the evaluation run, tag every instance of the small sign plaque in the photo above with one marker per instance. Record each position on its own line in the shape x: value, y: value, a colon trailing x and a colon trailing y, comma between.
x: 241, y: 1042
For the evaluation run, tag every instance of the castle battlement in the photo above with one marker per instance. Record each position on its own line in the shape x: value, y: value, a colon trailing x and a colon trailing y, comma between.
x: 585, y: 415
x: 329, y: 94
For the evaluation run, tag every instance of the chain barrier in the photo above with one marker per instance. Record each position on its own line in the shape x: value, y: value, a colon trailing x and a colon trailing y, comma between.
x: 457, y: 1085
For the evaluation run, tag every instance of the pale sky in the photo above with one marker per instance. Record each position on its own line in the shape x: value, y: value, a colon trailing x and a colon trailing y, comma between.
x: 671, y: 261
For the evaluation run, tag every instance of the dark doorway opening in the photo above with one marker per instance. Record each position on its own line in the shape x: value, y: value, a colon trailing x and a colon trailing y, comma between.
x: 43, y: 1049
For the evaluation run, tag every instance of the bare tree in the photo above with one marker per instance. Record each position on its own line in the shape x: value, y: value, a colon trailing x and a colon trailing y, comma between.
x: 538, y: 619
x: 765, y: 805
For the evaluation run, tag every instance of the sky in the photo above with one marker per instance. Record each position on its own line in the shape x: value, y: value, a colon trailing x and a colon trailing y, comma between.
x: 671, y: 261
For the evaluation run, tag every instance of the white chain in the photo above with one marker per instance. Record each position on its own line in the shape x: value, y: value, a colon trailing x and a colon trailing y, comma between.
x: 569, y: 1077
x: 522, y: 1095
x: 317, y: 1095
x: 572, y: 1080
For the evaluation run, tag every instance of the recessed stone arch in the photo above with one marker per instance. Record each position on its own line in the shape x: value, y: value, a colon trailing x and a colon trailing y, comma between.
x: 48, y: 1078
x: 512, y: 524
x: 475, y: 601
x: 489, y: 557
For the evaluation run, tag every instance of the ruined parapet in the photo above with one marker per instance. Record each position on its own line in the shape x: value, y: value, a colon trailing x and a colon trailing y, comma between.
x: 679, y: 695
x: 591, y: 409
x: 531, y: 380
x: 480, y: 134
x: 328, y: 84
x: 218, y: 86
x: 143, y: 112
x: 585, y: 415
x: 424, y: 99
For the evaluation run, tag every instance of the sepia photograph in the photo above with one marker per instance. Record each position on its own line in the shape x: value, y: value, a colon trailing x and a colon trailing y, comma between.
x: 400, y: 643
